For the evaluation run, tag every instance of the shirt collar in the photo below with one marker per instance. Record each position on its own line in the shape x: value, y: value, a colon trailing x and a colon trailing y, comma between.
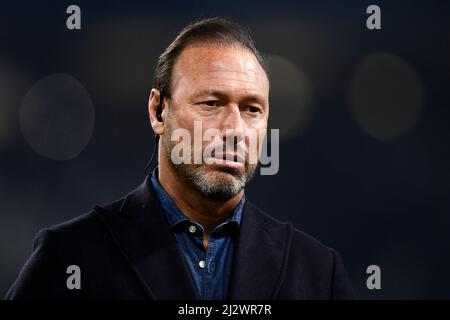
x: 174, y: 214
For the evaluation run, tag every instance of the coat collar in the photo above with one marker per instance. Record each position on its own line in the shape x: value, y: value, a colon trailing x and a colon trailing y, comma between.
x: 260, y: 256
x: 142, y: 234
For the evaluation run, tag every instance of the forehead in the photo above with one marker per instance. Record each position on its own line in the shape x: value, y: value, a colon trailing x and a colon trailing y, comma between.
x: 208, y: 66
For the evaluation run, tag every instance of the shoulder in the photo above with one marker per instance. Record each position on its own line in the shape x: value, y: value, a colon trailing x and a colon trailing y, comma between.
x: 312, y: 269
x: 297, y: 235
x: 299, y: 241
x: 87, y: 227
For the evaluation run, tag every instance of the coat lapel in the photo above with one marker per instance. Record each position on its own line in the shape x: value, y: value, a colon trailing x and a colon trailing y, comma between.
x: 260, y: 256
x: 143, y: 235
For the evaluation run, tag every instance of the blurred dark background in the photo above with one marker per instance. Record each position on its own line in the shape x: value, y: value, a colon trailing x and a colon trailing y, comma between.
x: 364, y: 118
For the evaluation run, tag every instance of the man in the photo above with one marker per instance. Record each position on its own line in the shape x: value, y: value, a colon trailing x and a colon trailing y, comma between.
x: 188, y: 231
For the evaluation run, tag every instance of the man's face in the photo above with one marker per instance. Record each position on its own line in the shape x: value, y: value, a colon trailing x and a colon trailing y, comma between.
x: 223, y: 88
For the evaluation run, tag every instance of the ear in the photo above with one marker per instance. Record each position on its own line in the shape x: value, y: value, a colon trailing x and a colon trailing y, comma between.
x: 153, y: 103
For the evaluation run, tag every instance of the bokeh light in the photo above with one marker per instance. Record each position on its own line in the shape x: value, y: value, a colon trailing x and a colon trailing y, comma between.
x: 387, y: 96
x: 57, y: 117
x: 291, y: 95
x: 120, y: 66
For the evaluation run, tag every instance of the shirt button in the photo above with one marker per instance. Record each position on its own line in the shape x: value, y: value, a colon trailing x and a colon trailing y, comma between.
x: 192, y: 229
x: 201, y: 264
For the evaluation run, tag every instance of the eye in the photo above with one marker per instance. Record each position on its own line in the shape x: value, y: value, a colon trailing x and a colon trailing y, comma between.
x: 211, y: 103
x: 253, y: 109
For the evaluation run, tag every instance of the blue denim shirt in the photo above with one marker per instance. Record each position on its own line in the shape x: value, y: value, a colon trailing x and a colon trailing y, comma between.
x: 210, y: 269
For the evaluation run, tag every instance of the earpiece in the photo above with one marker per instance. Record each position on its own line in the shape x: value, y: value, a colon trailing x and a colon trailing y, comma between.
x: 147, y: 167
x: 158, y: 114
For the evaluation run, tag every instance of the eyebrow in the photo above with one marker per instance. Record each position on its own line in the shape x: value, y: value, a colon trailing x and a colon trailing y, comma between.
x: 222, y: 95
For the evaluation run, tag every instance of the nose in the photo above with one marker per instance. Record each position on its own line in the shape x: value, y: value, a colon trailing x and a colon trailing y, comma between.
x: 233, y: 124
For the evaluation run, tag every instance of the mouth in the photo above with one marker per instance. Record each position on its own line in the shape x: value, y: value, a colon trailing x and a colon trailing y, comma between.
x: 229, y: 160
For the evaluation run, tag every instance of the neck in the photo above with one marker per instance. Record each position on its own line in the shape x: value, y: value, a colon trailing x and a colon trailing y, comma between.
x: 194, y: 205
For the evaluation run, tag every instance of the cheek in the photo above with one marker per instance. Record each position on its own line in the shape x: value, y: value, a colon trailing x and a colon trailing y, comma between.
x: 257, y: 124
x: 183, y: 120
x: 256, y: 131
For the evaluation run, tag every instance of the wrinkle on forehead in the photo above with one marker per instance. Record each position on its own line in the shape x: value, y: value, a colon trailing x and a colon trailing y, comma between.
x: 212, y: 62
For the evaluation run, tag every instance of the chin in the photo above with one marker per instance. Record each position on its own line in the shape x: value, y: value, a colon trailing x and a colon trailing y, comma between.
x: 231, y: 174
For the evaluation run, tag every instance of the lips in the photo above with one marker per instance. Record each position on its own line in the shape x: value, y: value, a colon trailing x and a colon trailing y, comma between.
x: 236, y: 162
x: 230, y: 157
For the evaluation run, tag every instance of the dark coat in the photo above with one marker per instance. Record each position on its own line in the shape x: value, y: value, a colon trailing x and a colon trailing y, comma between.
x: 125, y: 250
